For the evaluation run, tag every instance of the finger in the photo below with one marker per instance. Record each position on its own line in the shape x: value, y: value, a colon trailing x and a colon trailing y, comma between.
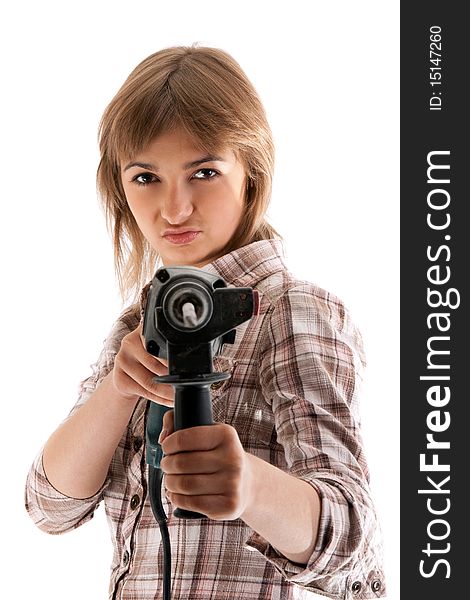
x: 134, y: 388
x: 159, y: 399
x: 163, y: 390
x: 159, y: 359
x: 157, y: 365
x: 132, y: 350
x: 195, y: 485
x: 200, y: 438
x: 146, y: 380
x: 169, y: 422
x: 191, y: 463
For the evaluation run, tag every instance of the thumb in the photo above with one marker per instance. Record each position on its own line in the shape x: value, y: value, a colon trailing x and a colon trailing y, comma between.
x: 168, y: 425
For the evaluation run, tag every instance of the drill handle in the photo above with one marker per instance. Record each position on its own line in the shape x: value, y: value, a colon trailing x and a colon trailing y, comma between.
x: 193, y: 407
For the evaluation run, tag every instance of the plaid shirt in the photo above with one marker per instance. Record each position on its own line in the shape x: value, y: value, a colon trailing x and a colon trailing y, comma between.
x: 293, y: 398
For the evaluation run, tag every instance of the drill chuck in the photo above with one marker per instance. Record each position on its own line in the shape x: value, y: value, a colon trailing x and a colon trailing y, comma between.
x: 187, y: 306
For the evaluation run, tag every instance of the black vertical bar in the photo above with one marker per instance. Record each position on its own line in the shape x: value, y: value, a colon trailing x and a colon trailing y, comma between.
x: 435, y: 259
x: 193, y: 408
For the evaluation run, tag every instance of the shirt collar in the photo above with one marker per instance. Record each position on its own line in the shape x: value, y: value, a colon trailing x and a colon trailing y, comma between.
x: 250, y: 264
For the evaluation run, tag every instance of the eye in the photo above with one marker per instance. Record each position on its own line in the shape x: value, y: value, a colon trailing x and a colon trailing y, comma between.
x: 206, y: 174
x: 144, y: 178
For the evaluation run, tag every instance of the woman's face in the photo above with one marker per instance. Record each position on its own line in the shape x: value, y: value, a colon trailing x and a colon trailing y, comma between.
x: 187, y: 203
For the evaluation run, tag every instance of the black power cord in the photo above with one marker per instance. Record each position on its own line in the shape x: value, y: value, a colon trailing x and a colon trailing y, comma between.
x: 155, y: 477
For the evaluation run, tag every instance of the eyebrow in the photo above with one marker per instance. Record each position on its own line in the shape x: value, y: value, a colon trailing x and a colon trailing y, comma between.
x: 189, y: 165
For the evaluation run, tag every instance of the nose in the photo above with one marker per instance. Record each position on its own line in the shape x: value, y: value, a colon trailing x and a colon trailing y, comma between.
x: 177, y: 205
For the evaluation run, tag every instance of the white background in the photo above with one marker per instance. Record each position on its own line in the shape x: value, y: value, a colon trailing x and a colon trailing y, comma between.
x: 328, y: 76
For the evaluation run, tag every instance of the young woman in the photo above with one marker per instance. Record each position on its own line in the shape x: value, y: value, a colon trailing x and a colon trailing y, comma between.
x: 185, y: 176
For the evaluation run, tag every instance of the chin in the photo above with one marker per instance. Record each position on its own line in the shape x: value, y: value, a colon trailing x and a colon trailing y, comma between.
x: 190, y: 256
x: 182, y: 259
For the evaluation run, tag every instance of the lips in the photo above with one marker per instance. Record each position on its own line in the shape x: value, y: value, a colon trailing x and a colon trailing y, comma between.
x: 180, y: 237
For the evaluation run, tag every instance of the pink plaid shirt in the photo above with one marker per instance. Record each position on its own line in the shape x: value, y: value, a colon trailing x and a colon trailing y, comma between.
x: 293, y: 398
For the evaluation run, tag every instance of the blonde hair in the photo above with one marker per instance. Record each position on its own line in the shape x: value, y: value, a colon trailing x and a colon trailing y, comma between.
x: 205, y: 92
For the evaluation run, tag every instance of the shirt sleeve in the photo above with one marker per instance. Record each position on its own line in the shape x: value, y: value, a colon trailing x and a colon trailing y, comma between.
x: 310, y: 374
x: 50, y: 510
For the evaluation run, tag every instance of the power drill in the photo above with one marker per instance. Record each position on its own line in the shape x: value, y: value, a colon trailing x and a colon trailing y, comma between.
x: 189, y: 315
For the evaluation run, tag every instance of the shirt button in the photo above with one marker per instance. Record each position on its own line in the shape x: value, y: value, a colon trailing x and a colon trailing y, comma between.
x: 125, y: 558
x: 135, y: 501
x: 356, y: 587
x: 376, y: 585
x: 137, y: 444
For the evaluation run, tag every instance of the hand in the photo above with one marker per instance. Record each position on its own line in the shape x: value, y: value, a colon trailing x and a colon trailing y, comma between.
x: 206, y: 469
x: 134, y: 370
